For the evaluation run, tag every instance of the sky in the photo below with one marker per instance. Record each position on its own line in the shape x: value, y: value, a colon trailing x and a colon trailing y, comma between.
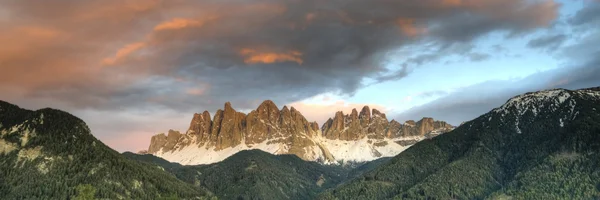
x: 135, y: 68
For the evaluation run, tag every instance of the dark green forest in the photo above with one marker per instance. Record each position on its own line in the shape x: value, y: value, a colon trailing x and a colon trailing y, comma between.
x: 254, y: 174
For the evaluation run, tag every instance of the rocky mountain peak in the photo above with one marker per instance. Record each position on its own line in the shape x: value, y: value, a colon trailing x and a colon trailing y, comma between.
x: 293, y: 110
x: 339, y: 114
x: 206, y: 115
x: 228, y: 106
x: 356, y: 126
x: 377, y: 113
x: 286, y: 115
x: 267, y: 104
x: 365, y: 116
x: 268, y: 112
x: 164, y: 142
x: 284, y: 131
x: 354, y: 114
x: 200, y: 126
x: 365, y: 113
x: 285, y: 108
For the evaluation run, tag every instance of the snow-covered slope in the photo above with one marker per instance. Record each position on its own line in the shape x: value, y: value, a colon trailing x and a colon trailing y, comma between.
x: 342, y: 151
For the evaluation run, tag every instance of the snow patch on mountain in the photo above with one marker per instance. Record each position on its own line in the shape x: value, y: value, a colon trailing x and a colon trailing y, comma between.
x: 342, y: 151
x: 194, y: 155
x: 530, y: 101
x: 362, y: 150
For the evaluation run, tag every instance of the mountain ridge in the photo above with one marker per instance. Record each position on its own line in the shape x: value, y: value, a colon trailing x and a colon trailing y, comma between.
x: 342, y: 138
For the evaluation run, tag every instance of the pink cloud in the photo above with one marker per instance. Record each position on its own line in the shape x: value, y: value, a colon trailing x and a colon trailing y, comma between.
x: 196, y: 91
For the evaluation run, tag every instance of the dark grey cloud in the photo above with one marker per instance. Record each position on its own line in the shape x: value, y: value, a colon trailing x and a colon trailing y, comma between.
x: 464, y: 26
x: 395, y: 75
x: 589, y: 15
x: 475, y: 57
x: 548, y: 42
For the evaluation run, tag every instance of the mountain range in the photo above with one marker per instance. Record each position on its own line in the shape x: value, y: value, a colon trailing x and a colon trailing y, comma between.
x: 354, y: 137
x: 539, y: 145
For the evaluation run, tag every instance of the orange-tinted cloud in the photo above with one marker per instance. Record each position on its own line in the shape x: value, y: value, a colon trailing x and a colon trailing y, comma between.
x: 253, y: 56
x: 38, y: 32
x: 452, y: 2
x: 409, y: 28
x: 178, y: 23
x: 124, y: 52
x: 68, y: 40
x: 544, y: 13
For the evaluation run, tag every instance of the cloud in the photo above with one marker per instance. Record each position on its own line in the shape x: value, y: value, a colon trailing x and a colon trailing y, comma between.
x: 409, y: 28
x: 124, y: 52
x: 488, y: 16
x: 548, y: 42
x: 475, y: 57
x: 254, y: 57
x: 310, y: 47
x: 178, y: 23
x: 590, y: 14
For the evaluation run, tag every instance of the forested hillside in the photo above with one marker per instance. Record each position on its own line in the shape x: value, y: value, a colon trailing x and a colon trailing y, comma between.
x: 254, y: 174
x: 541, y: 145
x: 50, y: 154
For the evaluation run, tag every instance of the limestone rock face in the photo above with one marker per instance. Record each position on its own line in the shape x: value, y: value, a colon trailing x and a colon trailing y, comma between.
x: 314, y: 126
x: 365, y: 116
x: 287, y: 131
x: 162, y: 142
x: 201, y: 126
x: 375, y: 125
x: 229, y: 128
x: 157, y: 142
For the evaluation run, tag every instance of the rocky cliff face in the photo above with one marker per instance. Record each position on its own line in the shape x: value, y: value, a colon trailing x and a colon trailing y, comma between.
x: 355, y: 126
x: 287, y: 131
